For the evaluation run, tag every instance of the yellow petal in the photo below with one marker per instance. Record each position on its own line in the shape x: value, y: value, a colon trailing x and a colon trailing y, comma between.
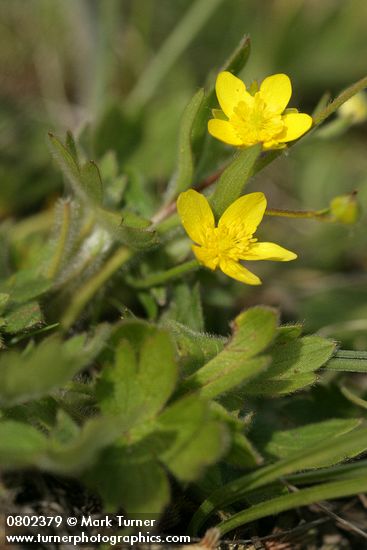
x: 269, y: 251
x: 196, y: 215
x: 296, y: 124
x: 237, y: 271
x: 230, y: 91
x: 223, y: 130
x: 276, y: 91
x: 248, y: 209
x: 205, y: 256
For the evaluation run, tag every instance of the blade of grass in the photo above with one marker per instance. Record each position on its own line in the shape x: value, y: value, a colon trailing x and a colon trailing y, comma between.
x: 303, y: 497
x: 181, y: 36
x: 349, y: 444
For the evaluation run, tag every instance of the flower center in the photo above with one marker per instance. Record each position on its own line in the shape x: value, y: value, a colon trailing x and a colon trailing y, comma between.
x: 254, y: 122
x: 228, y: 242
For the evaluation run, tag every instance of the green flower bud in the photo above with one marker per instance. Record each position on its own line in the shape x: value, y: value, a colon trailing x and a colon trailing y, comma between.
x: 345, y: 208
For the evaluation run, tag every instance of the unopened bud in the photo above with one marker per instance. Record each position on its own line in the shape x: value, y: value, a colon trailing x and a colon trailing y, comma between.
x: 345, y: 208
x: 355, y: 109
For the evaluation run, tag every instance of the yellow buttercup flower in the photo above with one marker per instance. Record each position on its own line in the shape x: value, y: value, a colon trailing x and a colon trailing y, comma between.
x: 261, y: 117
x: 232, y: 240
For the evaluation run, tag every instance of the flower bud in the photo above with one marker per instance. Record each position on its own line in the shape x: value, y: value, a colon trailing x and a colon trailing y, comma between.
x: 355, y: 109
x: 345, y: 208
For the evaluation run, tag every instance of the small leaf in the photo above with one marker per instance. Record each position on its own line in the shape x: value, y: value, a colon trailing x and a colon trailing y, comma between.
x: 253, y: 331
x: 284, y: 443
x: 23, y: 317
x: 68, y: 166
x: 20, y: 444
x: 92, y: 182
x: 82, y: 451
x: 71, y: 146
x: 128, y: 228
x: 85, y: 182
x: 185, y: 307
x: 26, y: 285
x: 234, y: 178
x: 41, y: 369
x: 183, y: 179
x: 294, y: 363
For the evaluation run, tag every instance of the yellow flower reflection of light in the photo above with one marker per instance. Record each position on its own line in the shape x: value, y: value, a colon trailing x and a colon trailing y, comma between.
x: 260, y: 117
x: 232, y: 240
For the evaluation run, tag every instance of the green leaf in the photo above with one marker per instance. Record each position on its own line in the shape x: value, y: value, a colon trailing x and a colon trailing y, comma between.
x: 142, y: 378
x: 68, y: 166
x: 131, y: 480
x: 92, y: 182
x: 23, y: 317
x: 285, y: 443
x: 86, y: 181
x: 185, y: 307
x: 241, y: 453
x: 128, y: 228
x: 25, y: 285
x: 82, y: 451
x: 196, y: 439
x: 71, y: 146
x: 344, y: 446
x: 294, y: 362
x: 20, y: 444
x: 303, y: 497
x: 183, y: 178
x: 193, y: 348
x: 43, y: 368
x: 236, y: 364
x: 234, y: 178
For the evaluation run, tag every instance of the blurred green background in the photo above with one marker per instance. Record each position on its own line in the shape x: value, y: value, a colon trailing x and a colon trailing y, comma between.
x: 106, y: 64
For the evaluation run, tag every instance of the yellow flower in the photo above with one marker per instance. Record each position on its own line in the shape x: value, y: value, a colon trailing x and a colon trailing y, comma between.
x: 262, y: 117
x: 232, y: 240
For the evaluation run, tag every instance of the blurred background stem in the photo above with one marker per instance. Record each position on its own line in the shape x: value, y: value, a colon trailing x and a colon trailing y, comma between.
x: 184, y: 33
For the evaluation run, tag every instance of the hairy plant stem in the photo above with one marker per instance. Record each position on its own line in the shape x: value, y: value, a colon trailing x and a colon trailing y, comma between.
x: 164, y: 276
x: 91, y: 287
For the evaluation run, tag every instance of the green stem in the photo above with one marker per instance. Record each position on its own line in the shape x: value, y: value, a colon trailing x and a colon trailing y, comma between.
x: 181, y: 36
x: 348, y: 361
x: 163, y: 276
x: 91, y: 287
x: 353, y: 397
x: 338, y: 102
x: 310, y: 214
x: 343, y: 471
x: 303, y: 497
